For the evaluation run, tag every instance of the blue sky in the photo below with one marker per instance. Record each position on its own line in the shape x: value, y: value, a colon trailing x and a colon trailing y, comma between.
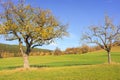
x: 79, y: 14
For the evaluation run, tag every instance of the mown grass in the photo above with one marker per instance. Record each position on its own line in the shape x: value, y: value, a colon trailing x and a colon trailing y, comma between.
x: 59, y: 61
x: 90, y: 66
x: 86, y: 72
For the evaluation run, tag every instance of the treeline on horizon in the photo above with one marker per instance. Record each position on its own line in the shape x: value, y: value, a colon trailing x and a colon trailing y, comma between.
x: 13, y: 50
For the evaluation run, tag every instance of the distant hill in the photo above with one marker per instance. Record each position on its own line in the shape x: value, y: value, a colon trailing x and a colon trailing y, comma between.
x: 6, y: 48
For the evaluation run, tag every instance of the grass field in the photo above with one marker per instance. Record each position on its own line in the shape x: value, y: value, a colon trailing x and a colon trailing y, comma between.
x: 90, y: 66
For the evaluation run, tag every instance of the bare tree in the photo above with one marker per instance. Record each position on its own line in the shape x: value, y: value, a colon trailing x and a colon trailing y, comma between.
x: 29, y: 25
x: 104, y: 36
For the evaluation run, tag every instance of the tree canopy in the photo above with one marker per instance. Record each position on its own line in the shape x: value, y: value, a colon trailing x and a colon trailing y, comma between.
x: 29, y: 25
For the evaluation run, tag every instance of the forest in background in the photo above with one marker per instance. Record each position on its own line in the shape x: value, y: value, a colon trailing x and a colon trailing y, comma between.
x: 13, y: 50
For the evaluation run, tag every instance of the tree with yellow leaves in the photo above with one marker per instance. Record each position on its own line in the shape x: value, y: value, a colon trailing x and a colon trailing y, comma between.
x: 29, y: 25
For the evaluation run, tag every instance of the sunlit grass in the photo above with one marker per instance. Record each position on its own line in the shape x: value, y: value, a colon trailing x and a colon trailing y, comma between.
x: 59, y: 61
x: 90, y: 66
x: 85, y: 72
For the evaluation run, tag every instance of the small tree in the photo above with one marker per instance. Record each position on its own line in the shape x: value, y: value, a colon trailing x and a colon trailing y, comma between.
x: 57, y: 51
x: 104, y: 36
x: 31, y: 26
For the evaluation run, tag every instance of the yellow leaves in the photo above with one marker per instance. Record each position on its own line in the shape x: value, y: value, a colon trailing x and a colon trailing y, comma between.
x: 38, y: 29
x: 10, y: 26
x: 27, y: 27
x: 2, y: 30
x: 35, y: 22
x: 55, y: 23
x: 44, y: 33
x: 14, y: 26
x: 50, y: 30
x: 20, y: 10
x: 28, y: 7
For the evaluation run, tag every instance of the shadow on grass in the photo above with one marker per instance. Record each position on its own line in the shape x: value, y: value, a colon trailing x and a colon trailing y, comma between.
x: 40, y: 66
x: 53, y: 64
x: 59, y: 64
x: 10, y: 67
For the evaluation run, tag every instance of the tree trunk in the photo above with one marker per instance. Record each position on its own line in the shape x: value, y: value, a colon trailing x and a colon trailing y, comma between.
x: 25, y: 57
x: 26, y: 61
x: 109, y: 57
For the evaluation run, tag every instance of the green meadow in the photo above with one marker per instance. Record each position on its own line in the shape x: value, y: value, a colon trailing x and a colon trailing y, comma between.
x: 89, y: 66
